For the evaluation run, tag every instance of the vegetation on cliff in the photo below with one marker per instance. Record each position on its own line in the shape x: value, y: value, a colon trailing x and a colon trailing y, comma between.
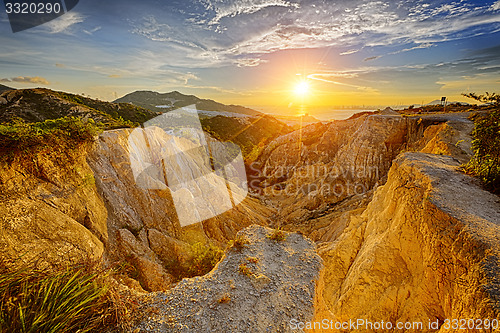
x: 485, y: 164
x: 66, y: 299
x: 22, y: 142
x: 37, y: 105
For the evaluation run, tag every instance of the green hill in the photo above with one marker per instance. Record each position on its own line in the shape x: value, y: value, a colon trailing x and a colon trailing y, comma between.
x: 164, y: 102
x: 37, y: 105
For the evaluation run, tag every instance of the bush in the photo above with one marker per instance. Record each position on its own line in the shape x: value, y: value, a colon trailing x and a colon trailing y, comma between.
x: 22, y: 142
x: 71, y: 299
x: 277, y: 235
x: 485, y: 164
x: 202, y: 260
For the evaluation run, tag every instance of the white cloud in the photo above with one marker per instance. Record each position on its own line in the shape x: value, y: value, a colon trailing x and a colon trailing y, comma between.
x: 91, y: 32
x: 64, y: 22
x: 495, y: 6
x: 249, y: 62
x: 222, y: 35
x: 349, y: 52
x: 27, y: 79
x: 224, y: 8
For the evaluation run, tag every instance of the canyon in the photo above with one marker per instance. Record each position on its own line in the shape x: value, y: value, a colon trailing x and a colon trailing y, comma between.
x: 381, y: 224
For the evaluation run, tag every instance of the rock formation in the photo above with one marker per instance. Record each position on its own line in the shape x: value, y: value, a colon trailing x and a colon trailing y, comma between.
x: 409, y: 237
x: 276, y: 287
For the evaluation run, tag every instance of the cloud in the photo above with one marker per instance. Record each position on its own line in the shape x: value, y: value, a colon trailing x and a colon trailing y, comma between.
x: 27, y: 79
x: 60, y: 65
x: 250, y: 62
x: 64, y: 22
x: 223, y: 32
x: 91, y: 32
x: 371, y: 58
x: 224, y: 8
x: 349, y: 52
x: 495, y: 6
x: 114, y: 76
x: 334, y: 78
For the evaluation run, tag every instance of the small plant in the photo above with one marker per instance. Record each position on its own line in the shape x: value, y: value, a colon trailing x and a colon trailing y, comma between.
x: 253, y: 260
x: 245, y: 270
x: 71, y: 299
x: 485, y: 164
x: 202, y: 260
x: 224, y: 299
x: 277, y: 235
x: 239, y: 243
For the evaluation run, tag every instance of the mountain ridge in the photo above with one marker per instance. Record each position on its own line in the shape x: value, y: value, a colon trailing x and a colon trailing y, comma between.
x: 40, y: 104
x: 164, y: 102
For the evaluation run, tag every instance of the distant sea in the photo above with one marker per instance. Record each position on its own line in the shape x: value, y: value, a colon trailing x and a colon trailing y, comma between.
x: 325, y: 114
x: 336, y: 114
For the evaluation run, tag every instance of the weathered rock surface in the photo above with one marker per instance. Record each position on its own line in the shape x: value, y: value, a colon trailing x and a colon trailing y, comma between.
x: 279, y: 287
x: 322, y: 165
x: 89, y: 206
x: 426, y: 247
x: 148, y: 217
x: 51, y: 216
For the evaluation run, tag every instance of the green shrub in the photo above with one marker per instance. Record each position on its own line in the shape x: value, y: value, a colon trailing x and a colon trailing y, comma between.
x: 202, y: 260
x: 485, y: 164
x: 238, y: 243
x: 71, y: 299
x: 277, y: 235
x: 23, y: 142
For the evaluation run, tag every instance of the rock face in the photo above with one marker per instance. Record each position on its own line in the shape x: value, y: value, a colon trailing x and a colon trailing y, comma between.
x: 88, y: 206
x: 277, y: 290
x: 52, y: 215
x: 325, y: 164
x: 142, y: 223
x: 426, y: 247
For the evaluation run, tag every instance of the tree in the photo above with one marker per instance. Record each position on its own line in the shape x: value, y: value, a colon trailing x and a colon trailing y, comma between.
x: 486, y: 98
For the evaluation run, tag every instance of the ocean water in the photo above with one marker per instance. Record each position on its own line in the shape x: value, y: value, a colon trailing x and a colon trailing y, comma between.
x: 335, y: 114
x: 325, y: 114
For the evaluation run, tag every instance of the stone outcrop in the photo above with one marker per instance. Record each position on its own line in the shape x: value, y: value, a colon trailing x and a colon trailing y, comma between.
x: 88, y: 206
x: 425, y: 248
x: 276, y: 291
x: 322, y: 165
x: 147, y: 218
x: 51, y: 215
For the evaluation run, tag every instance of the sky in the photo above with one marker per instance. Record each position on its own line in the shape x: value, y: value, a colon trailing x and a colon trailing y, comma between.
x: 256, y: 52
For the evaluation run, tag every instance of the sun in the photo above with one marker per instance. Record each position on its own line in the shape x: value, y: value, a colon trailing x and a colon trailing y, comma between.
x: 302, y: 88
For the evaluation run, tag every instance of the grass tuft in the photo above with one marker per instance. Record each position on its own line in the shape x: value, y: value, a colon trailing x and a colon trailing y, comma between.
x: 72, y: 299
x: 245, y: 270
x: 277, y: 235
x: 239, y: 243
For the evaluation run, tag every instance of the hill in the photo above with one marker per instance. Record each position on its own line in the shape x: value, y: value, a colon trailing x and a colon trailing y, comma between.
x: 250, y: 131
x: 35, y: 105
x: 438, y: 102
x: 164, y: 102
x: 4, y: 88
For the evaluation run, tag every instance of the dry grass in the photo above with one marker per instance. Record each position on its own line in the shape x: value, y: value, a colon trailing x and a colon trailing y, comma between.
x: 77, y: 298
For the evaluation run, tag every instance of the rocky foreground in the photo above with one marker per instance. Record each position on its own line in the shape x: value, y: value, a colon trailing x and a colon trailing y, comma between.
x: 258, y: 288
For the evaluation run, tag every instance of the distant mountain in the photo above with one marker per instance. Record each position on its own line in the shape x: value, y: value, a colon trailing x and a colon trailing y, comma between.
x: 4, y: 88
x: 164, y: 102
x: 438, y: 102
x: 39, y: 104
